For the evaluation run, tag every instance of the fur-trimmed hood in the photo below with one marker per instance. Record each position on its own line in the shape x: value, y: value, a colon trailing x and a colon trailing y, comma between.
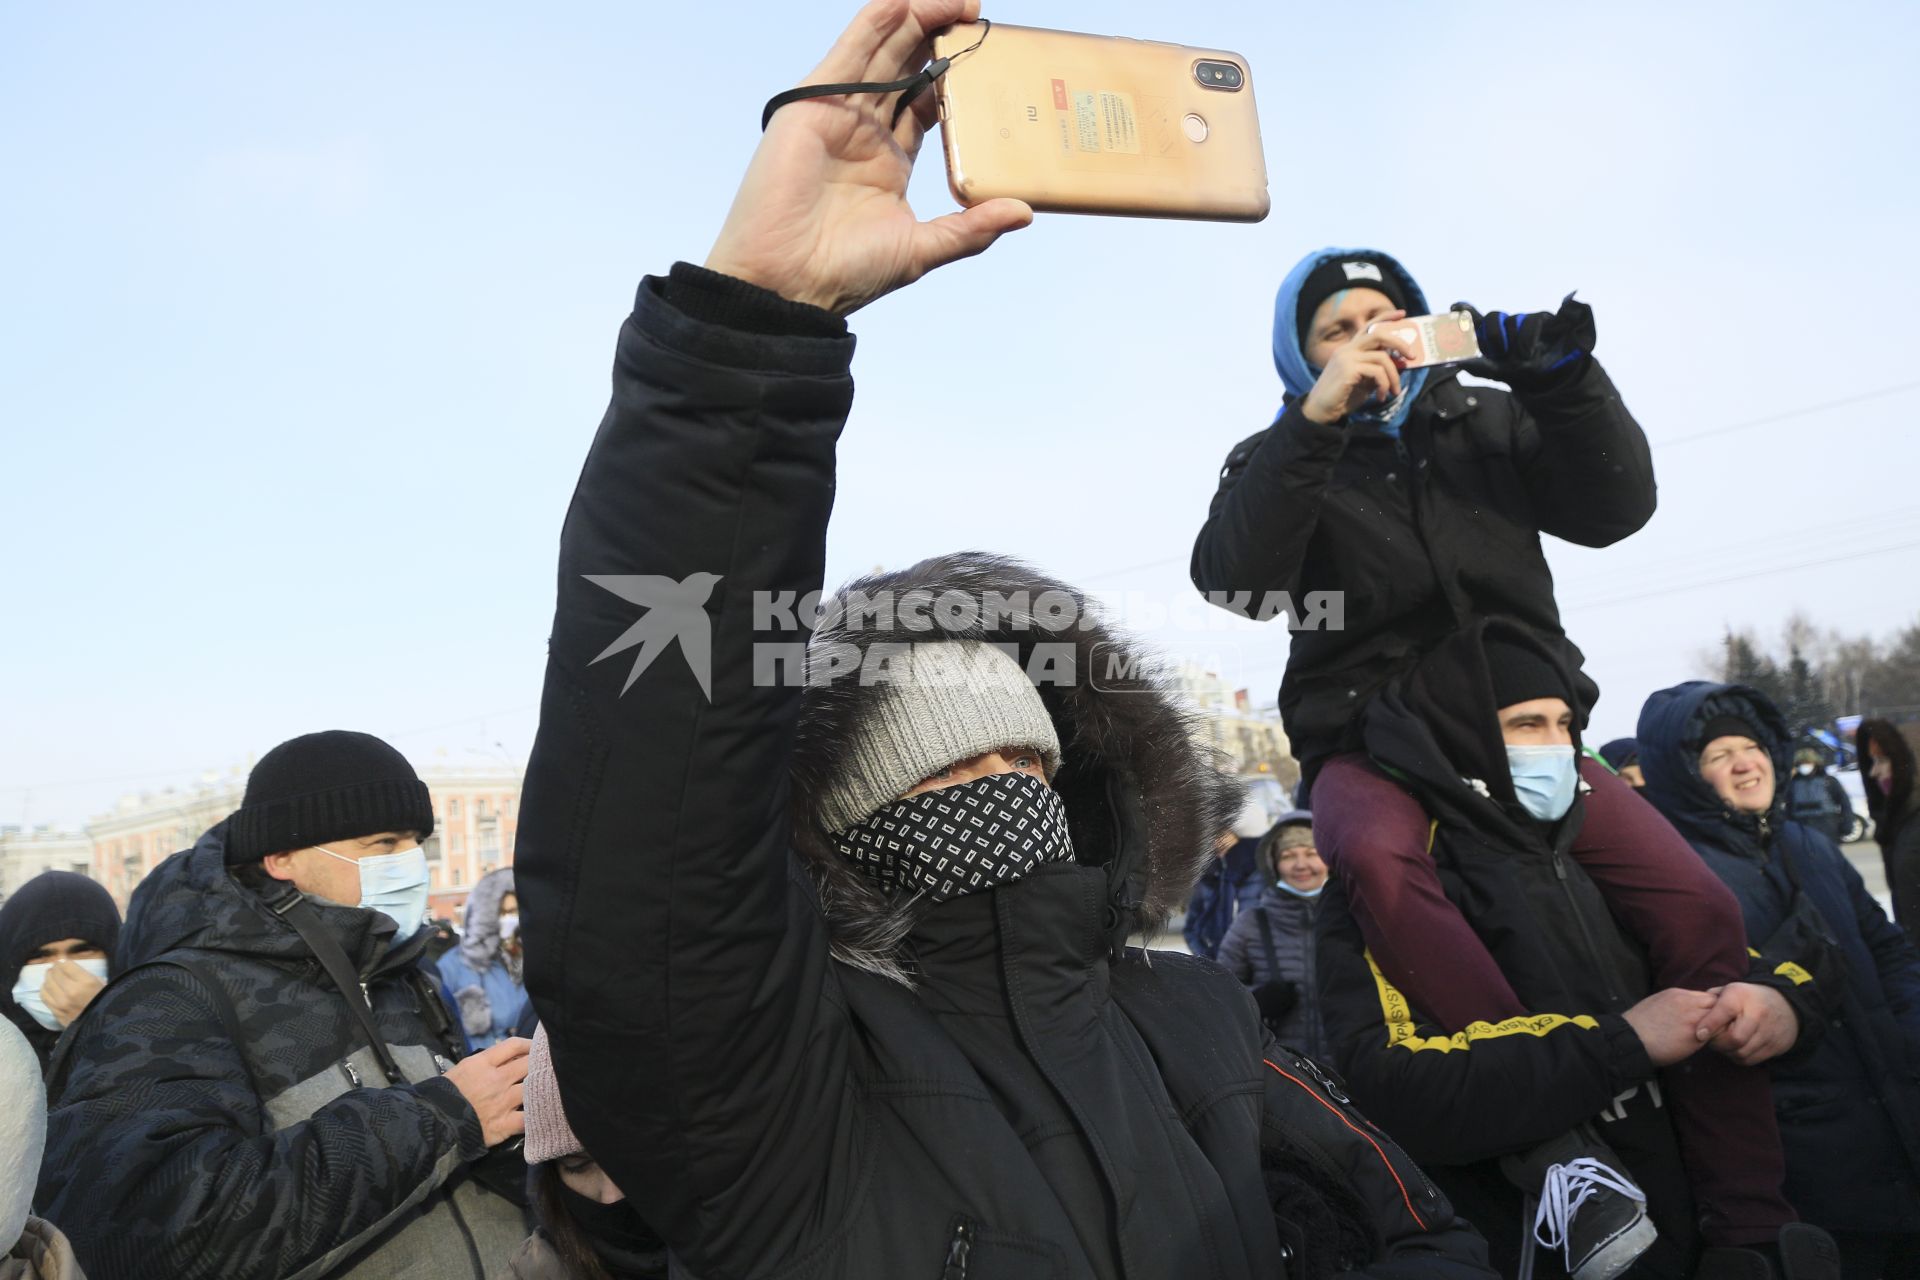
x: 480, y: 931
x: 1145, y: 799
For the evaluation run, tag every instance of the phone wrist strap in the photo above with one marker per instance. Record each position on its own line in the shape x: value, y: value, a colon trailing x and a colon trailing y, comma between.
x: 909, y: 87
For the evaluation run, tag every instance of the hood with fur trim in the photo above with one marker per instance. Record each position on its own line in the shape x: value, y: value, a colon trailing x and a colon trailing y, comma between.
x: 480, y: 931
x: 1145, y: 798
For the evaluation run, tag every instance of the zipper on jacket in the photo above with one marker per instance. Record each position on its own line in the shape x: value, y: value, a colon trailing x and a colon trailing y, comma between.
x: 1325, y: 1081
x: 1600, y: 966
x: 959, y: 1250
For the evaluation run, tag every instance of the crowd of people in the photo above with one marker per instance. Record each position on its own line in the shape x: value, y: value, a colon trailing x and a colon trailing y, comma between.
x: 844, y: 976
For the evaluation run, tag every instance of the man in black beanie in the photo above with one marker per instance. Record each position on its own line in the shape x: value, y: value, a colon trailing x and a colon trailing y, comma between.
x: 1526, y: 1012
x: 273, y: 1085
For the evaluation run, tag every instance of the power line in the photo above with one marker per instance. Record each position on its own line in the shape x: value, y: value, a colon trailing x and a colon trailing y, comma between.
x: 1744, y: 577
x: 1787, y: 414
x: 1731, y: 427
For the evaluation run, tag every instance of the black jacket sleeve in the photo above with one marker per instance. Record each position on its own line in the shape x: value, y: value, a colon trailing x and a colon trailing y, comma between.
x: 673, y: 950
x: 1804, y: 970
x: 1266, y: 509
x: 159, y: 1165
x: 1485, y: 1091
x: 1585, y: 461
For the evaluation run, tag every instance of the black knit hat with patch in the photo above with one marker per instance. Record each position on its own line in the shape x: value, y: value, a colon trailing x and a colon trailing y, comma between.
x: 1335, y: 274
x: 326, y: 786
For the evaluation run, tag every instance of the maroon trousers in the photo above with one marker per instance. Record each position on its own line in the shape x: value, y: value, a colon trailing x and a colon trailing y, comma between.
x: 1374, y: 836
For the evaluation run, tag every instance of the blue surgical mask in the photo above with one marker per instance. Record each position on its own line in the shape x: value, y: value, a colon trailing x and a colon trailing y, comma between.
x: 1544, y: 779
x: 26, y: 992
x: 394, y: 884
x: 1300, y: 893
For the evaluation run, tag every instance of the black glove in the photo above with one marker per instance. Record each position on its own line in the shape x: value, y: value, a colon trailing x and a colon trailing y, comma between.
x: 1276, y: 999
x: 1533, y: 351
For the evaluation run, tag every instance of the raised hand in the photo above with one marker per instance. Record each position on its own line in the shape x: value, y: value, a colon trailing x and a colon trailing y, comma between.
x: 68, y: 990
x: 821, y: 216
x: 1365, y: 369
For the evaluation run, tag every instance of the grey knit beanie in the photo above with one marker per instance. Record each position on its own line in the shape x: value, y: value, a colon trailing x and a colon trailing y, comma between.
x: 943, y: 701
x: 1292, y: 836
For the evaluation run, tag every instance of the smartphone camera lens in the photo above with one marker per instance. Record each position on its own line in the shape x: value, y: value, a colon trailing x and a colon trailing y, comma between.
x: 1218, y: 75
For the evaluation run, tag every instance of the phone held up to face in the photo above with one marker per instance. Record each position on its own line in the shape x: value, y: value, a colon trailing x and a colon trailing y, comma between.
x: 1443, y: 339
x: 1077, y: 123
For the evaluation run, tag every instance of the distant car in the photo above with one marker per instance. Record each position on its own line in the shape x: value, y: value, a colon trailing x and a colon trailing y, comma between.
x: 1856, y: 796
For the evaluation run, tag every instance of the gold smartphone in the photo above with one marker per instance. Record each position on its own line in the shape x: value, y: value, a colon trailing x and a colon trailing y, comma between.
x: 1099, y: 124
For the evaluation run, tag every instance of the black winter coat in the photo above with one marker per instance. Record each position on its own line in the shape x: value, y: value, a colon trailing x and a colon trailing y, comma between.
x: 730, y: 1030
x: 1896, y: 824
x: 1849, y: 1109
x: 1421, y: 534
x: 224, y: 1134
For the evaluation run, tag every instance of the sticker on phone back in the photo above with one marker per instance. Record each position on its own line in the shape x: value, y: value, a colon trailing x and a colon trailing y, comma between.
x: 1102, y: 121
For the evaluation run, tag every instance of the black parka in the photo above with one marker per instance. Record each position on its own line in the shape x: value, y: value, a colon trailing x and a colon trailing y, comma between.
x: 1420, y: 534
x: 1849, y: 1104
x: 216, y: 1113
x: 792, y: 1078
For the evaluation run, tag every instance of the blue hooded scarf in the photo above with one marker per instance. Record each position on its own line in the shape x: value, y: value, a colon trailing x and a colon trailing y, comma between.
x: 1298, y: 376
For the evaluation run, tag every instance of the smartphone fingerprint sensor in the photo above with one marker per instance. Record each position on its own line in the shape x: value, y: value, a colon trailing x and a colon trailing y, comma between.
x: 1196, y: 128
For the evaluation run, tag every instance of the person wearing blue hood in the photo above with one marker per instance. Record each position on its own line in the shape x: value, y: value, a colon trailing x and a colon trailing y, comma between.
x: 1418, y: 501
x: 483, y: 974
x: 1623, y: 757
x: 1849, y: 1105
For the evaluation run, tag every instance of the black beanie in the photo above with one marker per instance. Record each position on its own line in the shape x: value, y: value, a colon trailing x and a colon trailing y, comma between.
x: 52, y: 906
x: 326, y: 786
x: 1726, y: 725
x: 1335, y: 274
x: 1521, y: 674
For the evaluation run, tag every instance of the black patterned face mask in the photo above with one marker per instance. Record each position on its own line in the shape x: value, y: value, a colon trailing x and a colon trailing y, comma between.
x: 961, y: 839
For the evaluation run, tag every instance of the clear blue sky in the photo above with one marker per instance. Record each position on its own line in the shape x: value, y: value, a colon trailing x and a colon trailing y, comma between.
x: 309, y: 310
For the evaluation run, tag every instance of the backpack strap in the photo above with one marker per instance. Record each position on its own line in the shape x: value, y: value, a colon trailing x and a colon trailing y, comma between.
x: 61, y: 1061
x: 1266, y: 941
x: 294, y: 908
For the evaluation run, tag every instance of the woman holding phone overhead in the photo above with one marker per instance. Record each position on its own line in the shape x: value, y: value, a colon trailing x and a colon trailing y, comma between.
x: 835, y: 971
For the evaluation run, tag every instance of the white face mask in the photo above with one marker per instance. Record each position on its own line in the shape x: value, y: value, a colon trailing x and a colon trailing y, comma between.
x: 27, y: 994
x: 1806, y: 771
x: 1544, y: 779
x: 394, y: 884
x: 509, y: 925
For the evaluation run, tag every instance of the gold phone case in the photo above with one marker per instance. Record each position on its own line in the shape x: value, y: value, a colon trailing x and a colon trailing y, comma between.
x: 1098, y: 124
